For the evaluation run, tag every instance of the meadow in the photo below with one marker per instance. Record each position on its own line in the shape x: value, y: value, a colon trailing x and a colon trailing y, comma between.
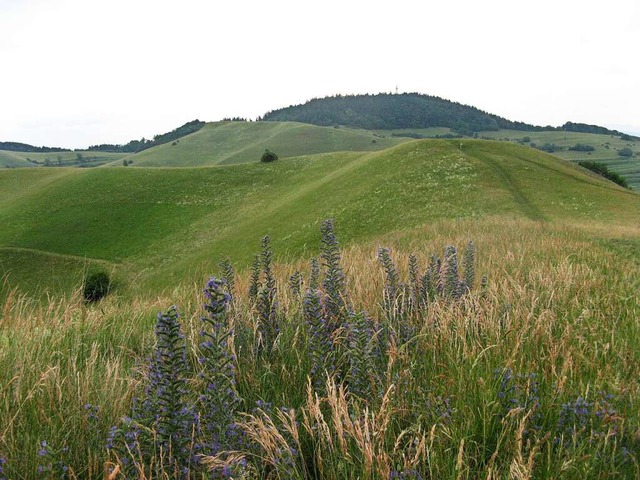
x: 9, y: 159
x: 154, y: 227
x: 533, y: 375
x: 517, y: 360
x: 225, y: 143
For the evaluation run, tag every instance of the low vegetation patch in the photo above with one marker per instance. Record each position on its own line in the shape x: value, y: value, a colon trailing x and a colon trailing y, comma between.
x: 96, y: 286
x: 602, y: 170
x: 268, y: 156
x: 360, y: 365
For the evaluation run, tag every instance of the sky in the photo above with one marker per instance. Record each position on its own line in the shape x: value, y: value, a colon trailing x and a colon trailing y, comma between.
x: 75, y: 73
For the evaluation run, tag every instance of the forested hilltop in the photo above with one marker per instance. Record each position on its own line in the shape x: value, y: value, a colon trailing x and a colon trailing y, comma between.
x: 385, y: 111
x: 389, y: 111
x: 135, y: 146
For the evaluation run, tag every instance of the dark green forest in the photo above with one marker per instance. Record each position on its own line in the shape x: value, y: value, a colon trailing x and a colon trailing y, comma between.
x: 388, y: 111
x: 25, y: 147
x: 138, y: 145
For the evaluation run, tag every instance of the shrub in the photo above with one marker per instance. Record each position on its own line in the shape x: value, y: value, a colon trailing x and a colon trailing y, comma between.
x: 625, y: 152
x: 602, y: 170
x: 549, y: 147
x: 96, y: 286
x: 582, y: 147
x: 268, y: 156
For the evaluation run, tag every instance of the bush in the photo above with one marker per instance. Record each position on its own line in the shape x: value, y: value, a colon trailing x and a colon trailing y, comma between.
x: 549, y: 147
x: 268, y: 156
x: 581, y: 147
x: 625, y: 152
x: 602, y: 170
x: 96, y: 286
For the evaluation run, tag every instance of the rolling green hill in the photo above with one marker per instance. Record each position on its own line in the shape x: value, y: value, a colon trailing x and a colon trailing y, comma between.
x: 14, y: 159
x: 605, y: 147
x: 67, y: 158
x: 387, y: 111
x: 222, y: 143
x: 156, y: 227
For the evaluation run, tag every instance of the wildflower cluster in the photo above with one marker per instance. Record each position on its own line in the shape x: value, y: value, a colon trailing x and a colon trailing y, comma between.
x: 219, y: 399
x: 517, y: 391
x: 583, y: 421
x: 50, y: 461
x: 268, y: 327
x: 161, y: 427
x: 167, y: 433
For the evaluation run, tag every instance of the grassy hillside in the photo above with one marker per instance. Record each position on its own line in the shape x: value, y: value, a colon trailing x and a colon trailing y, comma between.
x: 56, y: 159
x: 532, y: 373
x: 605, y: 147
x: 156, y: 226
x: 224, y: 143
x: 605, y: 151
x: 14, y: 159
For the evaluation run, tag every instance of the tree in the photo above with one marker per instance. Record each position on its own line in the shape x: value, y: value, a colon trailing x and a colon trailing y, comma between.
x: 625, y: 152
x: 582, y: 147
x: 268, y: 156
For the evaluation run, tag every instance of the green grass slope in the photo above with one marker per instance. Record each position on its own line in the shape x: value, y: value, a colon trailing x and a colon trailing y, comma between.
x: 222, y: 143
x: 605, y: 151
x: 156, y: 227
x: 14, y: 159
x: 59, y: 159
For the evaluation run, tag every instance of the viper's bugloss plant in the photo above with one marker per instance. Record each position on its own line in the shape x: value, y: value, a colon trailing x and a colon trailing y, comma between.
x: 50, y: 461
x: 582, y: 421
x: 314, y: 277
x: 268, y: 328
x: 469, y: 264
x: 414, y: 285
x: 364, y: 368
x: 295, y: 284
x: 334, y: 285
x: 321, y: 347
x: 160, y: 432
x: 517, y: 391
x: 392, y: 288
x: 255, y: 279
x: 450, y: 281
x: 229, y: 276
x: 219, y: 399
x: 396, y: 299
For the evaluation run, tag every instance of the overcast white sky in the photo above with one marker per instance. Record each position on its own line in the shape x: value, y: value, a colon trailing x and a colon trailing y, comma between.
x: 79, y: 72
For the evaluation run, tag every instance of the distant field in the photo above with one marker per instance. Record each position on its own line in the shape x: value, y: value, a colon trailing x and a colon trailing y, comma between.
x: 223, y: 143
x: 57, y: 159
x: 606, y: 149
x: 160, y: 225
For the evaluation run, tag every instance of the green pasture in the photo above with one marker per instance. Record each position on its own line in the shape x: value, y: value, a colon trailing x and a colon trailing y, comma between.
x: 222, y: 143
x: 67, y: 158
x: 161, y: 225
x: 606, y: 149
